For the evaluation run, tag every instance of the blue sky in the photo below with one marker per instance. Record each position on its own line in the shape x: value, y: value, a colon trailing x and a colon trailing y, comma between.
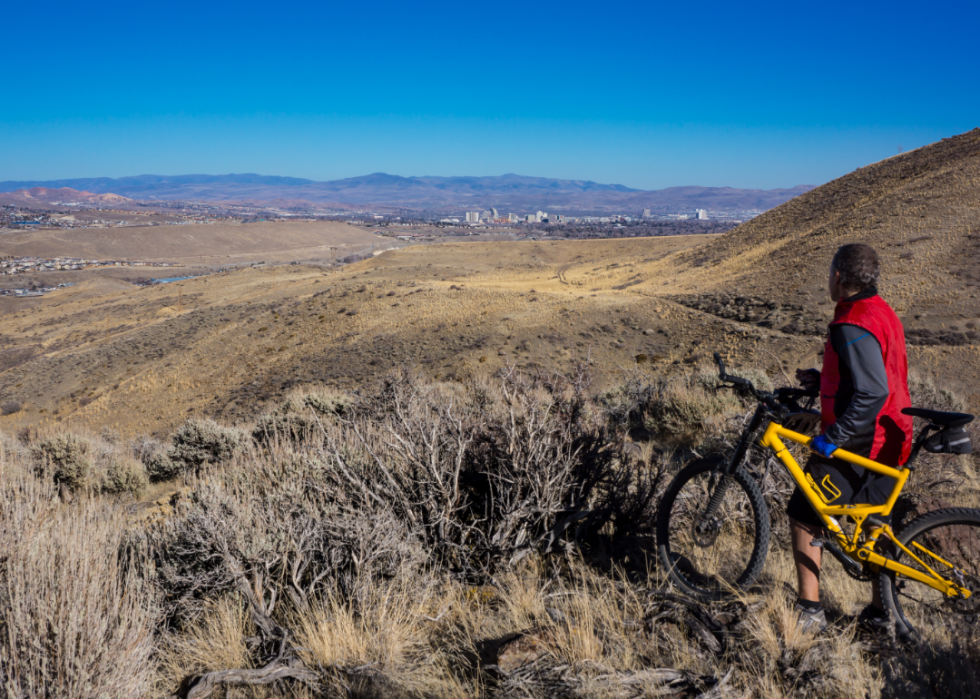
x: 644, y: 94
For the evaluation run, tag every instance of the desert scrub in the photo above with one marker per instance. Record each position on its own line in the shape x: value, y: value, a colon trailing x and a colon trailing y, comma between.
x: 690, y: 411
x: 196, y: 445
x: 63, y: 458
x: 88, y: 463
x: 299, y: 417
x: 77, y: 610
x: 953, y: 479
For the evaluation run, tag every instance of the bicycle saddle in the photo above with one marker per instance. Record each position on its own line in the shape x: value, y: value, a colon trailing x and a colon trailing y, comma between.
x: 939, y: 417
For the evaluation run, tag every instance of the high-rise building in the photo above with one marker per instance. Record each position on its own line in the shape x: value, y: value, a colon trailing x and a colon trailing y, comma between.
x: 493, y: 214
x: 702, y: 214
x: 646, y: 213
x: 512, y: 218
x: 472, y: 216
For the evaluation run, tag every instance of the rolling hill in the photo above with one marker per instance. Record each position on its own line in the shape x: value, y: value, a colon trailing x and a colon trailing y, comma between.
x: 61, y: 195
x: 241, y: 340
x: 214, y: 244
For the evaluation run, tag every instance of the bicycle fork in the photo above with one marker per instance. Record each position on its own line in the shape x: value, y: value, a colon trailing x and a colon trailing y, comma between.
x: 708, y: 525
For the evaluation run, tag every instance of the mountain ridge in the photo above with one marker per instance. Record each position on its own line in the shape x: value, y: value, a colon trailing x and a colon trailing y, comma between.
x: 422, y: 192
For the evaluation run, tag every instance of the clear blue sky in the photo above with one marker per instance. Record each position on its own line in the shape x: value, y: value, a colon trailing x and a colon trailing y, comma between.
x: 645, y: 94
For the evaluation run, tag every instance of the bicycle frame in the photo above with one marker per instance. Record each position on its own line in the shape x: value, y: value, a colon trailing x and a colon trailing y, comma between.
x: 852, y: 547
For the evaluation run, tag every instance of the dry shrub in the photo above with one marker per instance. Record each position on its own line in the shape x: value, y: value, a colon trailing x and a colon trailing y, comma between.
x: 415, y: 479
x: 293, y: 419
x: 88, y: 463
x: 196, y: 445
x: 76, y: 614
x: 63, y: 458
x: 953, y: 478
x: 685, y: 410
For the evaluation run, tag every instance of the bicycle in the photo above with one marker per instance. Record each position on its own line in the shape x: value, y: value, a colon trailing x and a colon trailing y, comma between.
x: 713, y: 524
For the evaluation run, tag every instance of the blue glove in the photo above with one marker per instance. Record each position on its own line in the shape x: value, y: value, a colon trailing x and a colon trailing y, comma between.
x: 823, y: 446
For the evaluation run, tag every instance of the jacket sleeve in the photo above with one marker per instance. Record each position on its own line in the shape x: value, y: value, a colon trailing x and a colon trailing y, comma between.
x: 860, y: 352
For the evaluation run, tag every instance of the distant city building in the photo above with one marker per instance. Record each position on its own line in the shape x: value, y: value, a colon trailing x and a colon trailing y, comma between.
x: 493, y: 214
x: 472, y: 216
x: 512, y: 218
x: 702, y: 214
x: 646, y: 213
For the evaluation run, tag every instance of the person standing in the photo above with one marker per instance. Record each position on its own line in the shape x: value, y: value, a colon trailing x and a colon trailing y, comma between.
x: 863, y: 389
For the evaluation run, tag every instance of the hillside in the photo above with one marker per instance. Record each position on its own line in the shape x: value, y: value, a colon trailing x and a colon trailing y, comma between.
x: 62, y: 195
x: 517, y: 192
x: 242, y: 340
x: 213, y: 244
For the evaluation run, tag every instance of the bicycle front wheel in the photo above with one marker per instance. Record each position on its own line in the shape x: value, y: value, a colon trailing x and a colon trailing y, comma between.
x: 712, y: 530
x: 948, y: 541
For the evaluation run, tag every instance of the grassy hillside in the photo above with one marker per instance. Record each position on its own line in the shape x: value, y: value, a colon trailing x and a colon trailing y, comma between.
x: 241, y: 339
x: 213, y: 244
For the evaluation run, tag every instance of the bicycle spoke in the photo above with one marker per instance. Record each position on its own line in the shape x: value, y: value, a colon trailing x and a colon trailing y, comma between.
x: 713, y: 551
x: 952, y: 550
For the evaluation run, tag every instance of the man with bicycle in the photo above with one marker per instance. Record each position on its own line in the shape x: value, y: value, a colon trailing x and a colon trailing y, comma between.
x: 863, y: 389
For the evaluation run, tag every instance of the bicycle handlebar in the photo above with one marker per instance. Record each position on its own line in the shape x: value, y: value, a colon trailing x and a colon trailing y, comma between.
x: 736, y: 380
x: 773, y: 399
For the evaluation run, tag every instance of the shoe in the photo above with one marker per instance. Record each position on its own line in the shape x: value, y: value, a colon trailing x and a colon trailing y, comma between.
x: 810, y: 622
x: 875, y: 620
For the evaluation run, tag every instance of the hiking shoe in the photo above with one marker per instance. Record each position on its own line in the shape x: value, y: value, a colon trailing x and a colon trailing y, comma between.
x: 810, y: 622
x: 875, y: 620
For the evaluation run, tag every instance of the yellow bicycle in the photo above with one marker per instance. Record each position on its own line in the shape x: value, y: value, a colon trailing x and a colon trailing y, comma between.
x: 713, y: 524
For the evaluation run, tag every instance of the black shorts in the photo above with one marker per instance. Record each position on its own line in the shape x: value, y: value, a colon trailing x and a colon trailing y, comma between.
x: 841, y: 484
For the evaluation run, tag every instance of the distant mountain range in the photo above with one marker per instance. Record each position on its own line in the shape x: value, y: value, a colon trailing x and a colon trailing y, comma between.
x: 505, y: 192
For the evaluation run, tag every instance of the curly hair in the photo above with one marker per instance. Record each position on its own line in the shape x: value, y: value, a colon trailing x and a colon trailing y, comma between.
x: 858, y: 266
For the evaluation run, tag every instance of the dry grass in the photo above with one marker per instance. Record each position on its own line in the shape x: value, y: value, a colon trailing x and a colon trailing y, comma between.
x: 216, y: 641
x: 77, y: 612
x: 370, y: 609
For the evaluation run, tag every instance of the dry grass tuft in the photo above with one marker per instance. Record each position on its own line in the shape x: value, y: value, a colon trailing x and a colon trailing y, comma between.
x: 77, y: 611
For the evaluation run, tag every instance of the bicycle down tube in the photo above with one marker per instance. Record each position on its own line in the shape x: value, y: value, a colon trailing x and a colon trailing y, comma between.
x: 859, y: 513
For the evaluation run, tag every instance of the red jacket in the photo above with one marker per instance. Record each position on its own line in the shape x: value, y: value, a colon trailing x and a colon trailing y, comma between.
x: 892, y: 440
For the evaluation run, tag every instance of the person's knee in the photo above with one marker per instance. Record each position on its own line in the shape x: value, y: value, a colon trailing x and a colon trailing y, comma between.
x: 803, y: 528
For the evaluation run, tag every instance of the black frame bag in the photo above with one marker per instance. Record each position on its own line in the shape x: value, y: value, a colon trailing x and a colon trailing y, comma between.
x: 951, y: 440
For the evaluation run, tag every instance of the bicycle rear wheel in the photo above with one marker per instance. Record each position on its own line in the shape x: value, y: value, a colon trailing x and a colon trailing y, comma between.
x: 952, y: 534
x: 708, y: 553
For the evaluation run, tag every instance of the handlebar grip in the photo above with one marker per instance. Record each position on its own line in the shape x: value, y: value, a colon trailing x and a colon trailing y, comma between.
x: 724, y: 374
x: 721, y: 364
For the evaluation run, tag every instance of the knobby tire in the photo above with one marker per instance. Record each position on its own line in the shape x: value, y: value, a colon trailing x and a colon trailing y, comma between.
x: 905, y: 601
x: 671, y: 557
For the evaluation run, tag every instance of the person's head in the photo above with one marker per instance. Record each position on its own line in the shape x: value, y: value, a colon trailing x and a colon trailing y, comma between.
x: 855, y: 267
